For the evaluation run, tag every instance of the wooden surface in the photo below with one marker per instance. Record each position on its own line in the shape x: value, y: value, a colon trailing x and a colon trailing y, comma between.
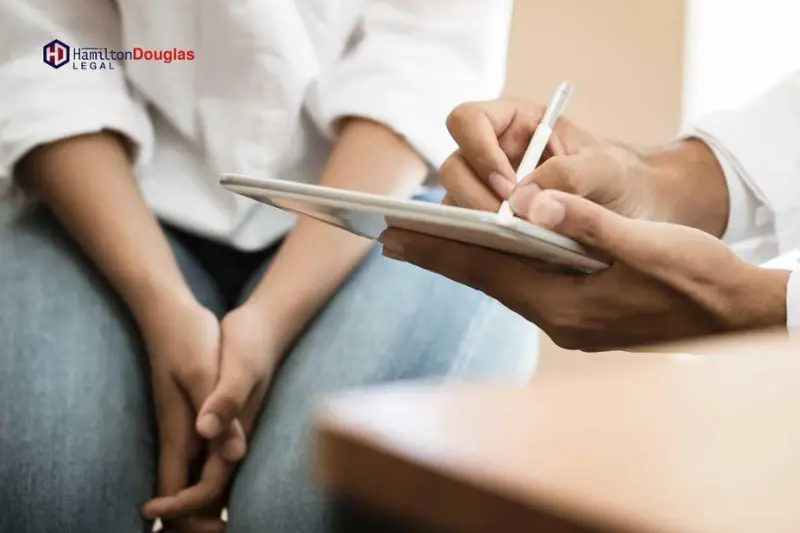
x: 640, y: 444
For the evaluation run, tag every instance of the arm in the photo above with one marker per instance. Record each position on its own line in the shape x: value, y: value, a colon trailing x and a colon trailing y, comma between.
x: 56, y: 139
x: 756, y: 146
x: 388, y: 101
x: 315, y: 258
x: 757, y: 149
x: 87, y: 182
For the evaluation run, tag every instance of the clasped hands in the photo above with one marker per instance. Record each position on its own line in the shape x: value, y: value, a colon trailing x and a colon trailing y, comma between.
x: 657, y: 217
x: 209, y: 379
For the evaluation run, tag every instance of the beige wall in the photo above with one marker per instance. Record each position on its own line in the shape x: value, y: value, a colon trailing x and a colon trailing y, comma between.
x: 626, y: 60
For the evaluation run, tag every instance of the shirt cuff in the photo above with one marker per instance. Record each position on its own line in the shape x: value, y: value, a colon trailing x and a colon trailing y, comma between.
x: 790, y: 261
x: 793, y: 303
x: 747, y: 214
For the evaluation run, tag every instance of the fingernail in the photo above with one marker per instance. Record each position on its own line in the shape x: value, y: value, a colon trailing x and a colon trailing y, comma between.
x: 393, y: 250
x: 522, y: 197
x: 547, y: 212
x: 501, y: 184
x: 233, y: 449
x: 209, y: 425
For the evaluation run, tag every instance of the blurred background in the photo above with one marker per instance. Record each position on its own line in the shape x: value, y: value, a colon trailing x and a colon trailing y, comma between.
x: 642, y: 68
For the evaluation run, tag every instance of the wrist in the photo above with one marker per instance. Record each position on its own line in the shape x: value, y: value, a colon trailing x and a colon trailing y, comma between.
x: 760, y: 300
x: 153, y: 300
x: 265, y: 326
x: 689, y: 186
x: 278, y: 327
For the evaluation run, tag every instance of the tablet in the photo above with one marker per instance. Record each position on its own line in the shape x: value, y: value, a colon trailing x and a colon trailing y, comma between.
x: 369, y: 215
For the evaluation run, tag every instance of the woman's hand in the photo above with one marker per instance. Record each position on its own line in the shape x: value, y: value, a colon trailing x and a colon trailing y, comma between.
x: 182, y: 339
x: 666, y: 281
x: 222, y: 410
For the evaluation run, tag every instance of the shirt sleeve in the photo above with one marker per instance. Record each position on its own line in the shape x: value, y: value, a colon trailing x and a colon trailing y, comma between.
x: 750, y: 231
x: 415, y: 61
x: 42, y: 104
x: 793, y: 302
x: 757, y: 147
x: 790, y: 261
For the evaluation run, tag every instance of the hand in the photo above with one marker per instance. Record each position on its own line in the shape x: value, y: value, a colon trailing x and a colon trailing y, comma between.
x: 492, y: 138
x: 229, y: 409
x: 666, y: 281
x: 682, y: 184
x: 182, y: 339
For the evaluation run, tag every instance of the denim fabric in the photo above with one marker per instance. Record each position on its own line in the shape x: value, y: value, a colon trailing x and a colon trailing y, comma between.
x: 77, y: 441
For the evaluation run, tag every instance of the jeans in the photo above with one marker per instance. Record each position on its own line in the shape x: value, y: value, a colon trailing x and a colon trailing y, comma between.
x: 77, y: 438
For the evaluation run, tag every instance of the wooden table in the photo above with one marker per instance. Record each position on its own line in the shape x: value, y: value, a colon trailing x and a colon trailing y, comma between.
x: 636, y: 444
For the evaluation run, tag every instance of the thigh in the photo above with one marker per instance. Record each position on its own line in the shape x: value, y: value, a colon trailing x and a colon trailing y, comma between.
x: 390, y: 321
x: 76, y: 424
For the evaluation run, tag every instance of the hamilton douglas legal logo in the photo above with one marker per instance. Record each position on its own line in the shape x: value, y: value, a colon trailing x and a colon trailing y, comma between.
x: 55, y: 53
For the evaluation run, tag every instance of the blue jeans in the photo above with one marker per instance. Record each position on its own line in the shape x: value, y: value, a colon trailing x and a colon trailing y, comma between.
x: 77, y: 442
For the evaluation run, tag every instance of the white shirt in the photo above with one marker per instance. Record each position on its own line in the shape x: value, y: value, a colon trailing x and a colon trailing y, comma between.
x: 268, y: 81
x: 758, y: 147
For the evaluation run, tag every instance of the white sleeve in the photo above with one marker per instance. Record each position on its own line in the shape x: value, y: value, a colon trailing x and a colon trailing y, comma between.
x: 790, y: 261
x: 415, y: 62
x: 793, y: 301
x: 41, y: 104
x: 759, y: 149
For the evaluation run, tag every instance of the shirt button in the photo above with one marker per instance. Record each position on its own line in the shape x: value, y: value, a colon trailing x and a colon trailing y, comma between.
x: 763, y: 216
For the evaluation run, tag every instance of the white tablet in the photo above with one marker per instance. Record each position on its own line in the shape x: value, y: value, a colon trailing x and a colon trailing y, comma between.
x: 369, y: 215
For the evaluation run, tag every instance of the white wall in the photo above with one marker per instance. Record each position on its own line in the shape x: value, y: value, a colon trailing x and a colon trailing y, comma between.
x: 736, y: 49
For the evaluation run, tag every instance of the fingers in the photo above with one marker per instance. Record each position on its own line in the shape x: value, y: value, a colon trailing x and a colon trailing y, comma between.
x: 588, y: 223
x: 596, y: 174
x: 195, y: 525
x: 476, y: 128
x: 239, y: 378
x: 657, y: 249
x: 498, y: 275
x: 176, y: 447
x: 211, y: 487
x: 466, y: 189
x: 234, y: 442
x: 226, y: 402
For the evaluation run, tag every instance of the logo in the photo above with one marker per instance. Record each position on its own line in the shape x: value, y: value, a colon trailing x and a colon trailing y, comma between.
x: 55, y: 53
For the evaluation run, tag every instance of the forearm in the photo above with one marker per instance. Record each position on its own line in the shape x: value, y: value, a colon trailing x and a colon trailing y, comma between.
x: 691, y: 188
x: 693, y: 192
x: 88, y: 184
x: 316, y: 258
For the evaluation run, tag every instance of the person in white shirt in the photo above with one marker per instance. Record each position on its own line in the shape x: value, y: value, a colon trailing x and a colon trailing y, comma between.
x: 683, y: 225
x: 137, y: 271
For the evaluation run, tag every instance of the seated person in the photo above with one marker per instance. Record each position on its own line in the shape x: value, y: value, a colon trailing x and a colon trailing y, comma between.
x: 155, y: 328
x: 659, y: 215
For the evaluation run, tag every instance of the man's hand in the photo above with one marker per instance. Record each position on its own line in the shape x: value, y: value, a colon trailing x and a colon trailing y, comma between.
x: 682, y: 184
x: 227, y: 412
x: 667, y: 281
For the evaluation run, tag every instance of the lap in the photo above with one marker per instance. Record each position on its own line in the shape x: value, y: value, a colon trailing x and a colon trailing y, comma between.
x: 75, y: 415
x: 389, y: 322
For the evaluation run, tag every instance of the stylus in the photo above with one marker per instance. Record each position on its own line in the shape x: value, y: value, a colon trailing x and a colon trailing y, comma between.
x: 541, y: 136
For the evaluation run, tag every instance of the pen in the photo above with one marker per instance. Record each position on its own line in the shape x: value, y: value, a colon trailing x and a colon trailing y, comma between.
x: 541, y: 136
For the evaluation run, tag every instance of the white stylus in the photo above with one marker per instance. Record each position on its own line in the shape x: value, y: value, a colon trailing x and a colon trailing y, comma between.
x: 541, y: 136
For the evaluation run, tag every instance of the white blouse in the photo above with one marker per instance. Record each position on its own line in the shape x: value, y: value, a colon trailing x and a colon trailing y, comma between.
x: 267, y: 81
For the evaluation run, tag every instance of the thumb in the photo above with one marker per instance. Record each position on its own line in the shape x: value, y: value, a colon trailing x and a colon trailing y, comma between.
x: 228, y: 398
x: 621, y: 238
